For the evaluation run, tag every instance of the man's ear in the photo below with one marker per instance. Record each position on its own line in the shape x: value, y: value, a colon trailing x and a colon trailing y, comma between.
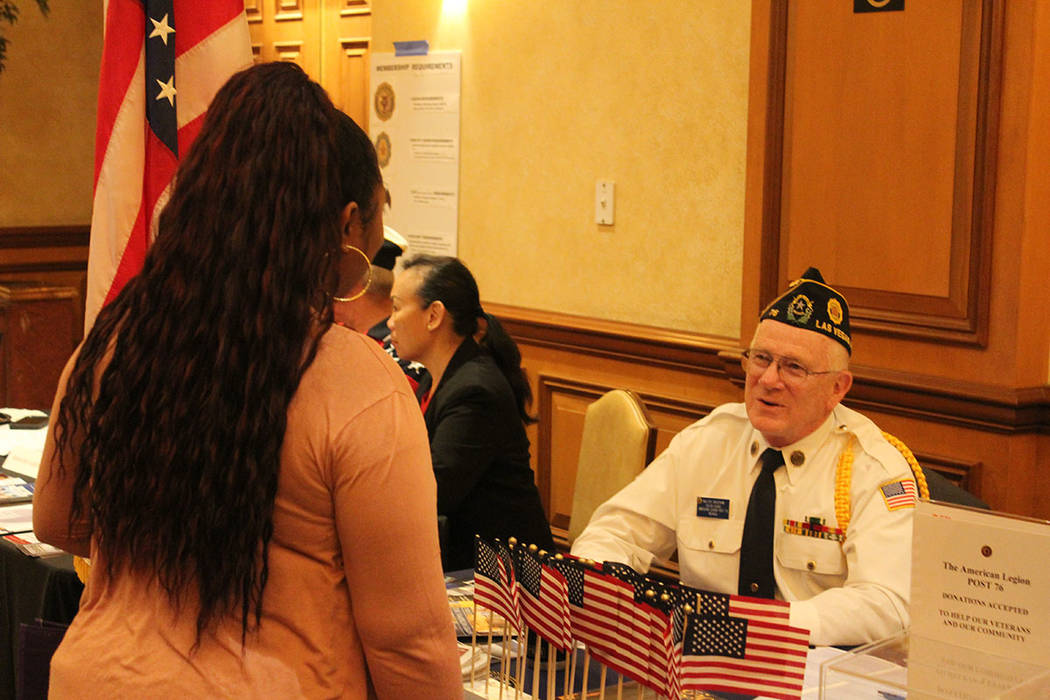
x: 436, y: 313
x: 843, y: 382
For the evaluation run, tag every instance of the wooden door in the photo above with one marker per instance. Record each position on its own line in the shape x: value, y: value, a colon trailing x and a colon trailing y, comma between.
x: 879, y: 158
x: 329, y: 39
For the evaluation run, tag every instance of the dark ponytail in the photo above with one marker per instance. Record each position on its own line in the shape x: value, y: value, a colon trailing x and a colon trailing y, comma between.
x: 508, y: 358
x: 448, y: 280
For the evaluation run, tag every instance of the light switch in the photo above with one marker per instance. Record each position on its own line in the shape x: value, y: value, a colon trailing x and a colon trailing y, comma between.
x: 603, y: 202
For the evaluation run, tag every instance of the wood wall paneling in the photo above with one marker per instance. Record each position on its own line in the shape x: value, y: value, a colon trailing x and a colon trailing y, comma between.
x: 55, y: 256
x: 253, y: 10
x: 286, y: 30
x: 39, y: 328
x: 987, y: 438
x: 330, y: 39
x: 880, y: 147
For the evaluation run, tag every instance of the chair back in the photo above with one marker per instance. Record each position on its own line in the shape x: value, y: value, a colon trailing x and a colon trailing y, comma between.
x: 618, y: 441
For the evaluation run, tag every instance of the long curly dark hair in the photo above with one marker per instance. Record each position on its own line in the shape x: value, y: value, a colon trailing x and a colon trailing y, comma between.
x: 177, y: 435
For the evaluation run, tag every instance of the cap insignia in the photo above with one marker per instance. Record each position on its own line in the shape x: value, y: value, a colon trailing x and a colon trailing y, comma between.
x: 835, y: 311
x: 800, y: 309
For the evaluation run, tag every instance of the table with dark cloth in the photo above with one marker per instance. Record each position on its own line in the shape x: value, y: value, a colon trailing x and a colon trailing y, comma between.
x: 45, y: 588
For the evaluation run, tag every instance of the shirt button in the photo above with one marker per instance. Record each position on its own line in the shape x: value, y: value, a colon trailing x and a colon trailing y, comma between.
x: 811, y: 565
x: 753, y: 587
x: 710, y: 544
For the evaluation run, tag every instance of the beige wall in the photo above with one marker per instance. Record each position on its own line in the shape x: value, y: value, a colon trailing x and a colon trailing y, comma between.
x: 47, y: 114
x: 556, y: 95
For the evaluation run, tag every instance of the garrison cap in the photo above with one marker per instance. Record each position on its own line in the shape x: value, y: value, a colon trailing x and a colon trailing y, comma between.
x: 394, y: 244
x: 811, y: 304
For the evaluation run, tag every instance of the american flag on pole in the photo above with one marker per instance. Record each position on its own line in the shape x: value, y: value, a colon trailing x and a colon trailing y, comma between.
x: 544, y: 599
x: 162, y: 61
x: 648, y: 621
x: 727, y: 605
x: 744, y: 656
x: 493, y: 586
x: 612, y: 626
x: 593, y: 603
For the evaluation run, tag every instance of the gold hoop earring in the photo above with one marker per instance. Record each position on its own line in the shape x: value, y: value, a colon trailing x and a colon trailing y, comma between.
x: 346, y: 248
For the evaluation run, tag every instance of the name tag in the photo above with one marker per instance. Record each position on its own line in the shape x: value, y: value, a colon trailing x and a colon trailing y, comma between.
x: 712, y: 508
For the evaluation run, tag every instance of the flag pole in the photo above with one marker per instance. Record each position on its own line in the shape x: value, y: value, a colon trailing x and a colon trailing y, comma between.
x: 585, y: 679
x: 685, y: 626
x: 570, y: 668
x: 536, y: 668
x: 473, y: 641
x: 523, y: 656
x: 488, y: 652
x: 552, y: 659
x: 518, y: 678
x: 504, y: 662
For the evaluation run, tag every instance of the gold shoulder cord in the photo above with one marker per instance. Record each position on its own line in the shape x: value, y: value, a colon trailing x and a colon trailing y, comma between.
x: 83, y: 567
x: 844, y: 477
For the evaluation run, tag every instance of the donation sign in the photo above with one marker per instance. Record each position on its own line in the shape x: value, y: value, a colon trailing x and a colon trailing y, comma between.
x: 980, y: 580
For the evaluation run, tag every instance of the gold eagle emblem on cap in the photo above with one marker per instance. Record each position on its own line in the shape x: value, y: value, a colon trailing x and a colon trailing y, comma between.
x: 835, y: 311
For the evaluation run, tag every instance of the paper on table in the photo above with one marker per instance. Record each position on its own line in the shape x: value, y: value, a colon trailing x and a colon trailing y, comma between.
x: 28, y: 543
x: 24, y: 460
x: 16, y: 518
x: 24, y: 448
x: 10, y: 438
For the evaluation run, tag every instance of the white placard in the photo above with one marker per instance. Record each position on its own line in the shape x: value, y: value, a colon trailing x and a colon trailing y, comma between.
x: 980, y: 580
x: 414, y: 125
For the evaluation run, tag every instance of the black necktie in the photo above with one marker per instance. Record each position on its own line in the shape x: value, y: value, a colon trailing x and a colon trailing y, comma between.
x: 756, y: 547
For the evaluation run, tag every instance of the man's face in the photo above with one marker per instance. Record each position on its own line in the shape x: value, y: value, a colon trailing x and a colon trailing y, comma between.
x: 786, y: 412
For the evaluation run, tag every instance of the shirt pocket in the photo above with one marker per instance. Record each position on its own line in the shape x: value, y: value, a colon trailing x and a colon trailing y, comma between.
x: 811, y: 554
x: 710, y: 535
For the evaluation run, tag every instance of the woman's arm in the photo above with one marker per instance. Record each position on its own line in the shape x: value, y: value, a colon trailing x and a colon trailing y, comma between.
x: 387, y: 522
x: 465, y: 440
x: 53, y: 495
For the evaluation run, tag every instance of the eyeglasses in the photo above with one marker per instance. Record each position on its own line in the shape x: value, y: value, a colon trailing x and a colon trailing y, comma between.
x: 790, y: 371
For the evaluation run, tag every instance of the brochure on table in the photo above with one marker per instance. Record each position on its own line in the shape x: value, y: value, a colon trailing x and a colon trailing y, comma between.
x: 22, y: 449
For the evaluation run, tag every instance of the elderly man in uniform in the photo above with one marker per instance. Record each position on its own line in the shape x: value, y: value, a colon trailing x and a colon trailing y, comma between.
x: 788, y: 495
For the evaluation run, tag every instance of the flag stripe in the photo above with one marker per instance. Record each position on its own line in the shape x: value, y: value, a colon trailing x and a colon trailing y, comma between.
x: 207, y: 16
x: 122, y: 53
x: 132, y: 169
x: 224, y: 46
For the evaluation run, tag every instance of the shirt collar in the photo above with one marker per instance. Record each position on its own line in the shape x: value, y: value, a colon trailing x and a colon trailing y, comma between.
x: 797, y: 454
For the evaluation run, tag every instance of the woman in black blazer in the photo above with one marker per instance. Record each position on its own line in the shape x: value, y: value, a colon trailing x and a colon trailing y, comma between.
x: 476, y: 408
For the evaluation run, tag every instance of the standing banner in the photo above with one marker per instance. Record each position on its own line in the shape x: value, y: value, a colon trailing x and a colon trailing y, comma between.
x: 415, y: 128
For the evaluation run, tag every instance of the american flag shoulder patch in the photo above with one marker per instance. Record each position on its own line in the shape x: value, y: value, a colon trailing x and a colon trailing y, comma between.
x: 899, y: 493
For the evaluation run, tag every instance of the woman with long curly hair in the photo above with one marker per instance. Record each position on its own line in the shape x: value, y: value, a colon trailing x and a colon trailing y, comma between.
x: 251, y: 482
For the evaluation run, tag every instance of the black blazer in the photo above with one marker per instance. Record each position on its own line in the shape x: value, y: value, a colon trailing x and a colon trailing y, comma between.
x: 481, y: 459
